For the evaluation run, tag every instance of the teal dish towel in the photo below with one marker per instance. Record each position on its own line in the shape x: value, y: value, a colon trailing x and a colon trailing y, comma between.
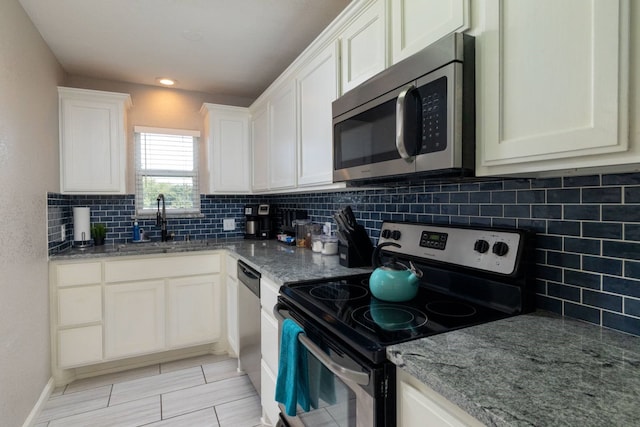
x: 292, y: 385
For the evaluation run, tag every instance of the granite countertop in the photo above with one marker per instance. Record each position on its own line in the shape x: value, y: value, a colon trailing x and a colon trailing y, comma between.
x: 537, y: 369
x: 275, y: 260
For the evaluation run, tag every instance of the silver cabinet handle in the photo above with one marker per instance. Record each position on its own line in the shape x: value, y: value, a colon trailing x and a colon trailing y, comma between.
x: 338, y: 370
x: 400, y: 122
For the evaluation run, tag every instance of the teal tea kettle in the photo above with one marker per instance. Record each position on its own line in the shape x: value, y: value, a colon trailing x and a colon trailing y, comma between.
x: 393, y: 281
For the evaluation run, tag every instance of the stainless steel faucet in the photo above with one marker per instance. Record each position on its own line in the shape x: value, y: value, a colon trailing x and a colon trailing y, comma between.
x: 161, y: 219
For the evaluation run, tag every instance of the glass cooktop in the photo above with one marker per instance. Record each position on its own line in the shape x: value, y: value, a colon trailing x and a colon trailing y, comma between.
x: 349, y: 310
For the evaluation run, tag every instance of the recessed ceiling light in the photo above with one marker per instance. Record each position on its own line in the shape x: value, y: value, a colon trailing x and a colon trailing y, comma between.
x: 166, y: 81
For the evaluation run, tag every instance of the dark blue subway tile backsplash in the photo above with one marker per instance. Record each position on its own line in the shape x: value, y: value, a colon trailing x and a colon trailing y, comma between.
x: 588, y: 243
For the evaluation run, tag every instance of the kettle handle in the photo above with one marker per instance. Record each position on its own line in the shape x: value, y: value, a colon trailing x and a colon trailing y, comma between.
x: 375, y: 257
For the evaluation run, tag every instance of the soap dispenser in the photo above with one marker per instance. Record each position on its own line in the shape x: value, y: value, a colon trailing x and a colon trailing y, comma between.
x: 136, y: 231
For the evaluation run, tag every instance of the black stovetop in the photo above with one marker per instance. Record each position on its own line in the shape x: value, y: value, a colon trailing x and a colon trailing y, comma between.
x: 349, y: 310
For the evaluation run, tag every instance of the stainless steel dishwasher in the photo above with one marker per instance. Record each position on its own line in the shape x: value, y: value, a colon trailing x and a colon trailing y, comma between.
x: 249, y: 322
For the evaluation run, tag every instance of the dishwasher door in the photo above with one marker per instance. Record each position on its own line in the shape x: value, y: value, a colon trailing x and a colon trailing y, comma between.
x: 249, y: 322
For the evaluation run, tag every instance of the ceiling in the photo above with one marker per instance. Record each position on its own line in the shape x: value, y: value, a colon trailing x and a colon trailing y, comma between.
x: 232, y: 47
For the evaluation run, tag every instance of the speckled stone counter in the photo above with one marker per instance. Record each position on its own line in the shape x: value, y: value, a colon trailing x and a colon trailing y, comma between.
x: 532, y: 370
x: 278, y: 262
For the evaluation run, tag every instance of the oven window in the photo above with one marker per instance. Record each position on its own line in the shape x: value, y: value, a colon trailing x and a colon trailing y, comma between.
x: 334, y: 402
x: 369, y: 137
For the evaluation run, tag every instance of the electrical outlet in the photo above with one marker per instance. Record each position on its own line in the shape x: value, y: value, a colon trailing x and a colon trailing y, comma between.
x: 63, y: 232
x: 228, y: 224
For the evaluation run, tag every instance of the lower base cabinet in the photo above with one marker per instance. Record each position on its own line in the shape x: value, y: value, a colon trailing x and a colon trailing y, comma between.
x: 270, y: 409
x: 420, y: 406
x: 115, y: 308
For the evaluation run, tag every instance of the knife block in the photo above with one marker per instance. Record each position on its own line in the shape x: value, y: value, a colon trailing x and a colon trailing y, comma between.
x: 358, y: 251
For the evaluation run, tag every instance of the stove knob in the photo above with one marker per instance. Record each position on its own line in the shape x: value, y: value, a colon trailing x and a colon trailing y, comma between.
x: 395, y: 234
x: 386, y: 233
x: 481, y: 246
x: 500, y: 248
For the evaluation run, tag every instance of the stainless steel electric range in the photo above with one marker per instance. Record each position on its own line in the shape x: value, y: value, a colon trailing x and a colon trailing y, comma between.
x: 471, y: 275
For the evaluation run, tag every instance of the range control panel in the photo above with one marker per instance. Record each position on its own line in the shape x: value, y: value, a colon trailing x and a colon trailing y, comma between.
x: 494, y: 251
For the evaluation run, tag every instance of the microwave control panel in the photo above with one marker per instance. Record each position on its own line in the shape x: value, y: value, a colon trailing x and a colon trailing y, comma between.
x: 433, y: 97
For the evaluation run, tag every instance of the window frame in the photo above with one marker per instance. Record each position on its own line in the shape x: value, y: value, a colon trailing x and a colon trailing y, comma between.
x: 139, y: 173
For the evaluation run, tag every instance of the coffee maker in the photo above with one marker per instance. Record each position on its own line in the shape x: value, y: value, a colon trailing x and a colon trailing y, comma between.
x: 258, y: 222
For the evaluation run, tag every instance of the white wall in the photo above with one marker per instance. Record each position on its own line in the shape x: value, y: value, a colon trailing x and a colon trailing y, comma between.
x: 29, y: 74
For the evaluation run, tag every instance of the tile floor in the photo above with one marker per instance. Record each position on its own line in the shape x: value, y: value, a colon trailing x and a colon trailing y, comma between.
x: 201, y: 391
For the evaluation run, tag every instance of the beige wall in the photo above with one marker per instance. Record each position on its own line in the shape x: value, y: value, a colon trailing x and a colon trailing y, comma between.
x: 29, y: 75
x: 160, y: 107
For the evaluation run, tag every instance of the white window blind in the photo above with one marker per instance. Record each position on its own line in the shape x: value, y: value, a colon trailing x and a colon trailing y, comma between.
x: 167, y: 163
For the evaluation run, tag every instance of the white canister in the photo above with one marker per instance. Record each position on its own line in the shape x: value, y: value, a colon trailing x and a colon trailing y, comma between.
x: 329, y: 245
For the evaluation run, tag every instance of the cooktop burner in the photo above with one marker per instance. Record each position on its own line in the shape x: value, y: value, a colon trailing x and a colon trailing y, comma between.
x: 388, y: 317
x: 451, y: 308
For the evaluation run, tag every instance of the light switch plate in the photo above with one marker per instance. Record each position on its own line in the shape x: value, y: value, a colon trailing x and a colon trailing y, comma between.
x: 63, y: 232
x: 228, y: 224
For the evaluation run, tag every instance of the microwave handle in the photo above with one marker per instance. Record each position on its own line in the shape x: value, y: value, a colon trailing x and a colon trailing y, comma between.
x: 401, y: 105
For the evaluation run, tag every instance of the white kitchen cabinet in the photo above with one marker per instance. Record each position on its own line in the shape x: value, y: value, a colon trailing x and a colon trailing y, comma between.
x: 553, y: 94
x: 232, y: 304
x: 269, y: 347
x: 92, y: 141
x: 283, y: 137
x: 227, y: 136
x: 317, y: 85
x: 363, y: 45
x: 134, y: 318
x: 193, y: 310
x: 79, y: 305
x: 420, y: 406
x: 415, y: 24
x: 260, y: 148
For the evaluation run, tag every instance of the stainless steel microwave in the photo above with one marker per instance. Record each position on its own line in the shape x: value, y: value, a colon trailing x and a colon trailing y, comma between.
x: 416, y: 117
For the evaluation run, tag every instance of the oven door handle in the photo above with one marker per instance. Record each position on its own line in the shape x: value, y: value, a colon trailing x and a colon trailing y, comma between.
x: 361, y: 378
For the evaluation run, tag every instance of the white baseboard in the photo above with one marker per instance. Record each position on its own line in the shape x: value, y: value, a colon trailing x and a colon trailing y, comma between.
x: 42, y: 400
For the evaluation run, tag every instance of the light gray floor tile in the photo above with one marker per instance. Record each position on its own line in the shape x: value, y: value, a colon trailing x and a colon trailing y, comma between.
x: 207, y: 395
x: 203, y: 418
x: 240, y: 413
x: 41, y: 425
x: 191, y: 362
x: 221, y: 370
x: 116, y: 377
x: 58, y: 391
x: 158, y: 384
x: 65, y: 405
x: 134, y: 413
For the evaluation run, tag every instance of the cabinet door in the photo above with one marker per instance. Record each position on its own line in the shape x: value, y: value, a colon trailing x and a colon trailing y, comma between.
x: 269, y: 340
x: 260, y: 149
x: 134, y: 318
x: 282, y: 137
x: 270, y: 408
x: 317, y: 89
x: 415, y: 24
x: 363, y: 46
x: 227, y: 130
x: 549, y: 101
x: 420, y: 406
x: 193, y: 310
x: 92, y: 141
x: 232, y: 314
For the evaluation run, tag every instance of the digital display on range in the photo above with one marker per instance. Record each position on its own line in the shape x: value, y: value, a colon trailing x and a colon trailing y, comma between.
x: 433, y: 239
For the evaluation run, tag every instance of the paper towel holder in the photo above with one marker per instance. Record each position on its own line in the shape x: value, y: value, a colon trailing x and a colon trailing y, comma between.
x: 81, y: 227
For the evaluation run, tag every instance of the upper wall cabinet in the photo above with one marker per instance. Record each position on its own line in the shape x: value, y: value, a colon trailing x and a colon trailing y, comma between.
x: 260, y: 147
x: 364, y: 46
x: 282, y: 137
x: 317, y: 85
x: 553, y: 87
x: 227, y: 136
x: 416, y: 24
x: 92, y: 141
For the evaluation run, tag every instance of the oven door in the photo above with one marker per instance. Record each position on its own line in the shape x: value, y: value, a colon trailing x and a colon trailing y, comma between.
x: 342, y: 390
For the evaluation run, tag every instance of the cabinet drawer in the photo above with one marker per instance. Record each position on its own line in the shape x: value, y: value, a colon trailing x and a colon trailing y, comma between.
x: 157, y: 268
x: 79, y: 346
x: 269, y: 343
x: 85, y: 273
x: 79, y: 305
x: 268, y: 295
